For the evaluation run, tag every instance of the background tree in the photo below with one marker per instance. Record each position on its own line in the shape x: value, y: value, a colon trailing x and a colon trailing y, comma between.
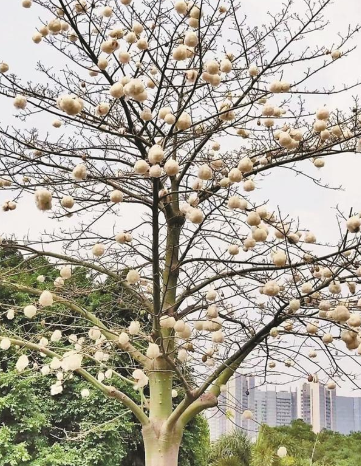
x: 149, y: 99
x: 231, y: 450
x: 83, y: 427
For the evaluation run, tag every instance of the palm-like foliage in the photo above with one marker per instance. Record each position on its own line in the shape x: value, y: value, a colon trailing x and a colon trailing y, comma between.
x: 231, y: 450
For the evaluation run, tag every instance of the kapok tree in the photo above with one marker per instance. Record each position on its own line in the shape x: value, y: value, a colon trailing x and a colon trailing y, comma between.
x: 171, y: 113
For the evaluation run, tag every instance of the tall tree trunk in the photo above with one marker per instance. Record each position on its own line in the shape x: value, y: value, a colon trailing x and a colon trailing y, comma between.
x: 161, y: 445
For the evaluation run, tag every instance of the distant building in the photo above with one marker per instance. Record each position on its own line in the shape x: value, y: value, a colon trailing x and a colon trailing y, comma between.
x: 312, y: 402
x: 316, y: 405
x: 348, y: 414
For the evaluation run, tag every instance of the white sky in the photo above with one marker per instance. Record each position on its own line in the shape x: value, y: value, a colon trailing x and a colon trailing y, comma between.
x: 295, y: 195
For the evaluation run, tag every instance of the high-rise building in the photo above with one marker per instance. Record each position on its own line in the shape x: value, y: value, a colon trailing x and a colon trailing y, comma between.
x: 348, y: 414
x: 316, y: 405
x: 217, y: 418
x: 311, y: 402
x: 240, y: 396
x: 227, y: 416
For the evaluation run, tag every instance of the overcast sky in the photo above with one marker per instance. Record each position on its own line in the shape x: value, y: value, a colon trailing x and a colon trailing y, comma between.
x: 295, y: 195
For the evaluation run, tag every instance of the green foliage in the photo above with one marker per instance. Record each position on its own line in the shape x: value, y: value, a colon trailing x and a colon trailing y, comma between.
x: 232, y: 449
x: 303, y: 445
x: 37, y: 429
x: 304, y: 448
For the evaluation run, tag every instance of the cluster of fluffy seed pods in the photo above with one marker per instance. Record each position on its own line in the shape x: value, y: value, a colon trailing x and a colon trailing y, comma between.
x: 279, y: 86
x: 70, y: 104
x: 136, y: 90
x: 43, y: 199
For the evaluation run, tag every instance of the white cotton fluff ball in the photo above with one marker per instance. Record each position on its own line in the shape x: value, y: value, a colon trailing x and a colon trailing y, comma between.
x: 319, y: 125
x: 116, y: 196
x: 107, y: 12
x: 233, y: 249
x: 141, y: 378
x: 56, y: 388
x: 40, y: 278
x: 116, y: 90
x: 79, y: 172
x: 185, y: 333
x: 155, y: 171
x: 249, y: 186
x: 46, y: 298
x: 181, y: 7
x: 182, y: 355
x: 22, y: 363
x: 212, y: 311
x: 56, y: 336
x: 195, y: 216
x: 171, y: 167
x: 271, y: 288
x: 134, y: 327
x: 102, y: 109
x: 226, y: 66
x: 67, y: 202
x: 306, y: 288
x: 204, y: 172
x: 10, y: 314
x: 30, y: 311
x: 45, y: 370
x: 327, y: 338
x: 5, y: 343
x: 123, y: 338
x: 245, y: 165
x: 312, y: 328
x: 218, y: 337
x: 247, y: 415
x: 84, y: 393
x: 282, y: 452
x: 141, y: 167
x: 354, y: 320
x: 180, y: 53
x: 341, y: 314
x: 94, y: 333
x: 133, y: 277
x: 70, y: 104
x: 235, y: 175
x: 295, y: 305
x: 184, y: 122
x: 65, y: 272
x: 309, y: 237
x: 335, y: 54
x: 55, y: 363
x: 167, y: 321
x: 211, y: 295
x: 43, y: 199
x: 323, y: 114
x: 71, y: 361
x: 253, y: 219
x: 279, y: 258
x: 4, y: 67
x: 153, y: 351
x: 353, y: 224
x: 191, y: 39
x: 124, y: 57
x: 179, y: 326
x: 253, y: 71
x: 58, y: 282
x: 155, y: 154
x: 163, y: 112
x: 20, y: 102
x: 98, y: 249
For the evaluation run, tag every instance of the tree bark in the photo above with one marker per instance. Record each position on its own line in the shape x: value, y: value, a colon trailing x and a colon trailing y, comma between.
x: 161, y: 445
